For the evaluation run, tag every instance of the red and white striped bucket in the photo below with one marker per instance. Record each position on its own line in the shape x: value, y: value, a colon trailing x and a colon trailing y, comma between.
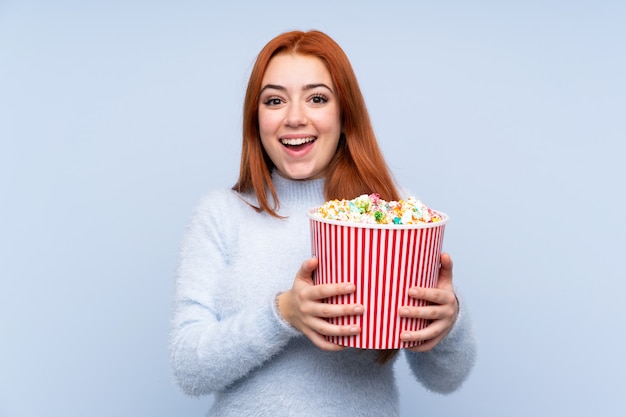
x: 383, y: 261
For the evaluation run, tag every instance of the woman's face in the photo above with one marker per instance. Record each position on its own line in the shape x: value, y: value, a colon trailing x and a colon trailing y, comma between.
x: 299, y: 116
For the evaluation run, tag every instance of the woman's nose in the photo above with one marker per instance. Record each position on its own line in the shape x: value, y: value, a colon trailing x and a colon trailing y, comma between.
x: 296, y: 115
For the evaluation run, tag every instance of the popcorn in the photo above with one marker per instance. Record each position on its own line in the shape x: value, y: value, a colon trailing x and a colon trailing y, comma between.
x: 371, y: 209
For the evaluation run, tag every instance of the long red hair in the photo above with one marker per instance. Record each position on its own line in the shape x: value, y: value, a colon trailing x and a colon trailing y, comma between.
x: 358, y: 166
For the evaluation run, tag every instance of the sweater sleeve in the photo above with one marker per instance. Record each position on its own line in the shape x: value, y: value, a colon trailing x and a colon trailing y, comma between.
x: 208, y: 351
x: 444, y: 368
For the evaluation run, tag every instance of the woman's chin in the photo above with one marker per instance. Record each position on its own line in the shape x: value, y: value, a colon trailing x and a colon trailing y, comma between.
x: 300, y: 174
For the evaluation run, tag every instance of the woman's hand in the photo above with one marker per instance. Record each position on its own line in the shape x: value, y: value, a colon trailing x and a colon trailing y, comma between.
x: 442, y: 312
x: 303, y: 308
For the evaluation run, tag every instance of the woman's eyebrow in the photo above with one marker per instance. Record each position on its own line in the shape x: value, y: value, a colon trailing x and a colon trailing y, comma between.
x: 312, y: 86
x: 304, y: 88
x: 273, y: 87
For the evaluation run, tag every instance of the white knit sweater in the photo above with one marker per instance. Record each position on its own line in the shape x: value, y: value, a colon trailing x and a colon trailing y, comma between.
x: 228, y: 339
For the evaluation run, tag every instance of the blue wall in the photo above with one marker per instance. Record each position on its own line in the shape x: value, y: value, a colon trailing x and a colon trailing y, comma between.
x: 115, y: 117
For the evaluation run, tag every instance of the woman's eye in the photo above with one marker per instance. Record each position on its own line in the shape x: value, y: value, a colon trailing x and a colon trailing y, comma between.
x: 272, y: 101
x: 319, y: 99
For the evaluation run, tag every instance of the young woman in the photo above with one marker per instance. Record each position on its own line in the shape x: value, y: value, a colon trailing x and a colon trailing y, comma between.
x: 243, y: 327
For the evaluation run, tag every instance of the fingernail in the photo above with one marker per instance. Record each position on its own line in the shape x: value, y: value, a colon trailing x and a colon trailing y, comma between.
x: 404, y: 311
x: 350, y: 287
x: 354, y: 329
x: 405, y: 336
x: 413, y: 292
x: 358, y: 309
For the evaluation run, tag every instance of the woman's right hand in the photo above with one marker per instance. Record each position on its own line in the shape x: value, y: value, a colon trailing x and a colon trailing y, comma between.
x: 303, y: 308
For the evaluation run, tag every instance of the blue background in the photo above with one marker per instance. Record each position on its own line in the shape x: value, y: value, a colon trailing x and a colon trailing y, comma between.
x: 116, y: 116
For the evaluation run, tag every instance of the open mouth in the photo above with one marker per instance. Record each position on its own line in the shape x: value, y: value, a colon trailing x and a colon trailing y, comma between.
x: 297, y: 142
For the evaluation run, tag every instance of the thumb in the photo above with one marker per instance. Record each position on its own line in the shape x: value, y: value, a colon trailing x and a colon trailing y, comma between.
x: 445, y: 272
x: 306, y: 269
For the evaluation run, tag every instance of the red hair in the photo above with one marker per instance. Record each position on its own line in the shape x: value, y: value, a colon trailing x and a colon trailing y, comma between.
x: 358, y: 166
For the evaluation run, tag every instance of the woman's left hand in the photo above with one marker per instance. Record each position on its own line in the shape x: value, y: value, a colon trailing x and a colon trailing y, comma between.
x: 442, y: 311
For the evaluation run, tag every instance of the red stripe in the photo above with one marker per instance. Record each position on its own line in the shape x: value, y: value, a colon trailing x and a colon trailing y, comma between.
x: 320, y: 254
x: 380, y: 288
x: 415, y: 235
x: 336, y: 278
x: 372, y: 261
x: 365, y: 258
x: 428, y: 262
x: 399, y: 277
x: 435, y: 261
x: 322, y: 244
x: 392, y: 272
x: 390, y: 278
x: 344, y: 258
x: 379, y: 258
x: 416, y: 322
x: 323, y: 250
x: 313, y: 244
x: 405, y: 281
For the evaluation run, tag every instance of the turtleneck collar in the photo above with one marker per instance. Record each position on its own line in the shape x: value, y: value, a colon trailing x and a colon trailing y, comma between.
x: 305, y: 191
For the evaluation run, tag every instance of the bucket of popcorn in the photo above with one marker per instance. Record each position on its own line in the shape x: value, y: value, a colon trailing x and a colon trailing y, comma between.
x: 384, y: 248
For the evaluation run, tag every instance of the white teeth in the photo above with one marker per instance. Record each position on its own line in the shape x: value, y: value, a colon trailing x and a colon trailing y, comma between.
x: 296, y: 141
